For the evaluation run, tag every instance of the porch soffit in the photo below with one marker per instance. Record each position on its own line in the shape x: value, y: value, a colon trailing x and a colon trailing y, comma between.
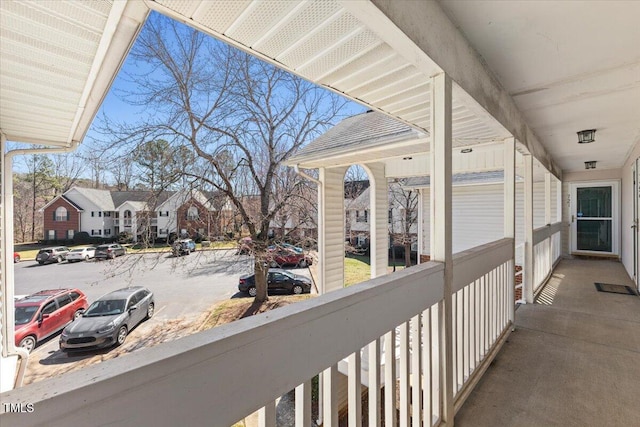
x: 57, y: 62
x: 325, y: 43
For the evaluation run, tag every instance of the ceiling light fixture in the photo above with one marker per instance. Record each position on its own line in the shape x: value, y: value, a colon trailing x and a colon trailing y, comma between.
x: 590, y: 165
x: 466, y: 150
x: 586, y: 136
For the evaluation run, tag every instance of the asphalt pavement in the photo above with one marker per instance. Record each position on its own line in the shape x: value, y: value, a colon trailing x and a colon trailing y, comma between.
x: 184, y: 287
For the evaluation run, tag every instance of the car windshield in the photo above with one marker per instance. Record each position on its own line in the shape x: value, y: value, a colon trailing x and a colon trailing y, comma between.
x: 106, y: 308
x: 24, y: 315
x: 45, y: 251
x: 77, y: 250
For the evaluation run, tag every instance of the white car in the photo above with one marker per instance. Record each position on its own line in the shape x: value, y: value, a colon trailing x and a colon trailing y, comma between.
x: 81, y: 254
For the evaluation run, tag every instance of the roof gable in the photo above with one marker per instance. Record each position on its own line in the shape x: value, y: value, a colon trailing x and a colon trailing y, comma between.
x: 101, y: 199
x: 364, y: 131
x: 62, y: 197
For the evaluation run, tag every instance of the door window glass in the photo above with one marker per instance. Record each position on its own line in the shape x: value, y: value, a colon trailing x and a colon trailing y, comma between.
x: 63, y: 300
x: 594, y: 202
x: 49, y: 308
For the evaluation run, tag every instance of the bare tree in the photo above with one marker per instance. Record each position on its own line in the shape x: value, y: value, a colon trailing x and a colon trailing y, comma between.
x: 121, y: 169
x: 42, y: 183
x: 22, y: 208
x: 404, y: 217
x: 67, y: 170
x: 241, y: 117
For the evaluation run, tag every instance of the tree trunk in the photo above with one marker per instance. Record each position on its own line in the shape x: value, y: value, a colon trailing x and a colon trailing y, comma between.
x: 407, y: 254
x: 261, y: 280
x: 33, y: 208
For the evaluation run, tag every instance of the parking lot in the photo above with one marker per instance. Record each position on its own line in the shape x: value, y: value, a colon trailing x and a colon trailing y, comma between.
x: 184, y: 289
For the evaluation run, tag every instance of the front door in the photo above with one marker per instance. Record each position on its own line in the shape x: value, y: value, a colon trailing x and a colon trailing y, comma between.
x: 595, y: 218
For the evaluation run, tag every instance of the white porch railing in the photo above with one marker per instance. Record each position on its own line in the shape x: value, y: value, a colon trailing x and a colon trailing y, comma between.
x: 482, y: 310
x: 219, y: 376
x: 546, y: 252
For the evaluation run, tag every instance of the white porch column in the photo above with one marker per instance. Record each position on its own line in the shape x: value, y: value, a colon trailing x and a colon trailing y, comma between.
x: 420, y: 225
x: 558, y: 201
x: 379, y: 226
x: 331, y: 230
x: 527, y: 291
x: 441, y: 227
x: 547, y: 198
x: 510, y: 216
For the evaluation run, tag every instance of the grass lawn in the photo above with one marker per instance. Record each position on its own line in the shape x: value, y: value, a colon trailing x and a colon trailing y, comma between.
x: 357, y: 269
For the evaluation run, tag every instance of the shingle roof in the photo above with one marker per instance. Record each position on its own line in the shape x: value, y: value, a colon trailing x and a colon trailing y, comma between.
x: 71, y: 202
x: 150, y: 197
x: 362, y: 131
x: 100, y: 198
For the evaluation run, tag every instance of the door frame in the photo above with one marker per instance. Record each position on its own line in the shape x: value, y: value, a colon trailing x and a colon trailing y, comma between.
x: 615, y: 216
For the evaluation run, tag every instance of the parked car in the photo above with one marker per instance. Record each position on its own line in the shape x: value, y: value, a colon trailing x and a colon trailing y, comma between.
x: 81, y: 254
x: 109, y: 319
x: 288, y: 246
x: 53, y: 254
x: 16, y: 257
x: 277, y: 280
x: 280, y: 257
x: 44, y: 313
x: 183, y: 247
x: 110, y: 251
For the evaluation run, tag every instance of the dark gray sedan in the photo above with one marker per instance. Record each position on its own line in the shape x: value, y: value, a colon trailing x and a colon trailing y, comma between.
x: 109, y: 319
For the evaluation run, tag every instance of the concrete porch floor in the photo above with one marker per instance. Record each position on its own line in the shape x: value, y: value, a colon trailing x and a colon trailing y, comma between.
x: 573, y: 360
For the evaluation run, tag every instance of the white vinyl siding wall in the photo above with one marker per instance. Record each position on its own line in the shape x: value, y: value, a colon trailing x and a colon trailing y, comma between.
x: 478, y: 212
x: 332, y: 241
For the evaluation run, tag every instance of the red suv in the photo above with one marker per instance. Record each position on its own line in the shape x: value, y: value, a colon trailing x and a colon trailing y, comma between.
x: 44, y: 313
x: 279, y: 257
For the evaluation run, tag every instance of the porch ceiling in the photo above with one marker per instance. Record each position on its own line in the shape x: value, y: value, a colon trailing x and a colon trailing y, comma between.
x: 322, y: 41
x: 57, y: 61
x: 568, y: 65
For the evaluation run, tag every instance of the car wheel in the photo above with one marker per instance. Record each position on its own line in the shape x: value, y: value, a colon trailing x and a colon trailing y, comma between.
x: 122, y: 335
x: 77, y: 314
x: 41, y: 262
x: 150, y: 310
x: 28, y: 343
x: 59, y: 259
x: 253, y: 291
x: 302, y: 263
x: 86, y: 257
x: 297, y: 289
x: 16, y: 259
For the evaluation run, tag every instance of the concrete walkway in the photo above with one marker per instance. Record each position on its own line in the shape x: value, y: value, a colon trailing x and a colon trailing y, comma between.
x: 574, y: 359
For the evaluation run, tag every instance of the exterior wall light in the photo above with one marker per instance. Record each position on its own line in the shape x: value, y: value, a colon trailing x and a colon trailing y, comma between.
x: 590, y: 165
x: 407, y: 158
x: 466, y: 150
x: 586, y: 136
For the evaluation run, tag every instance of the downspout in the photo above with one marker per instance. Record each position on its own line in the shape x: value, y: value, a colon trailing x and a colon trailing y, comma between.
x: 6, y: 258
x: 320, y: 291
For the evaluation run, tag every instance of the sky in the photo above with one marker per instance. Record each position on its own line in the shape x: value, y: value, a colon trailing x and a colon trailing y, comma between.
x: 116, y: 109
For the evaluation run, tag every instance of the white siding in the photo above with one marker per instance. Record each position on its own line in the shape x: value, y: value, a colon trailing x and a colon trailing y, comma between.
x: 478, y: 212
x: 331, y: 242
x: 87, y: 222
